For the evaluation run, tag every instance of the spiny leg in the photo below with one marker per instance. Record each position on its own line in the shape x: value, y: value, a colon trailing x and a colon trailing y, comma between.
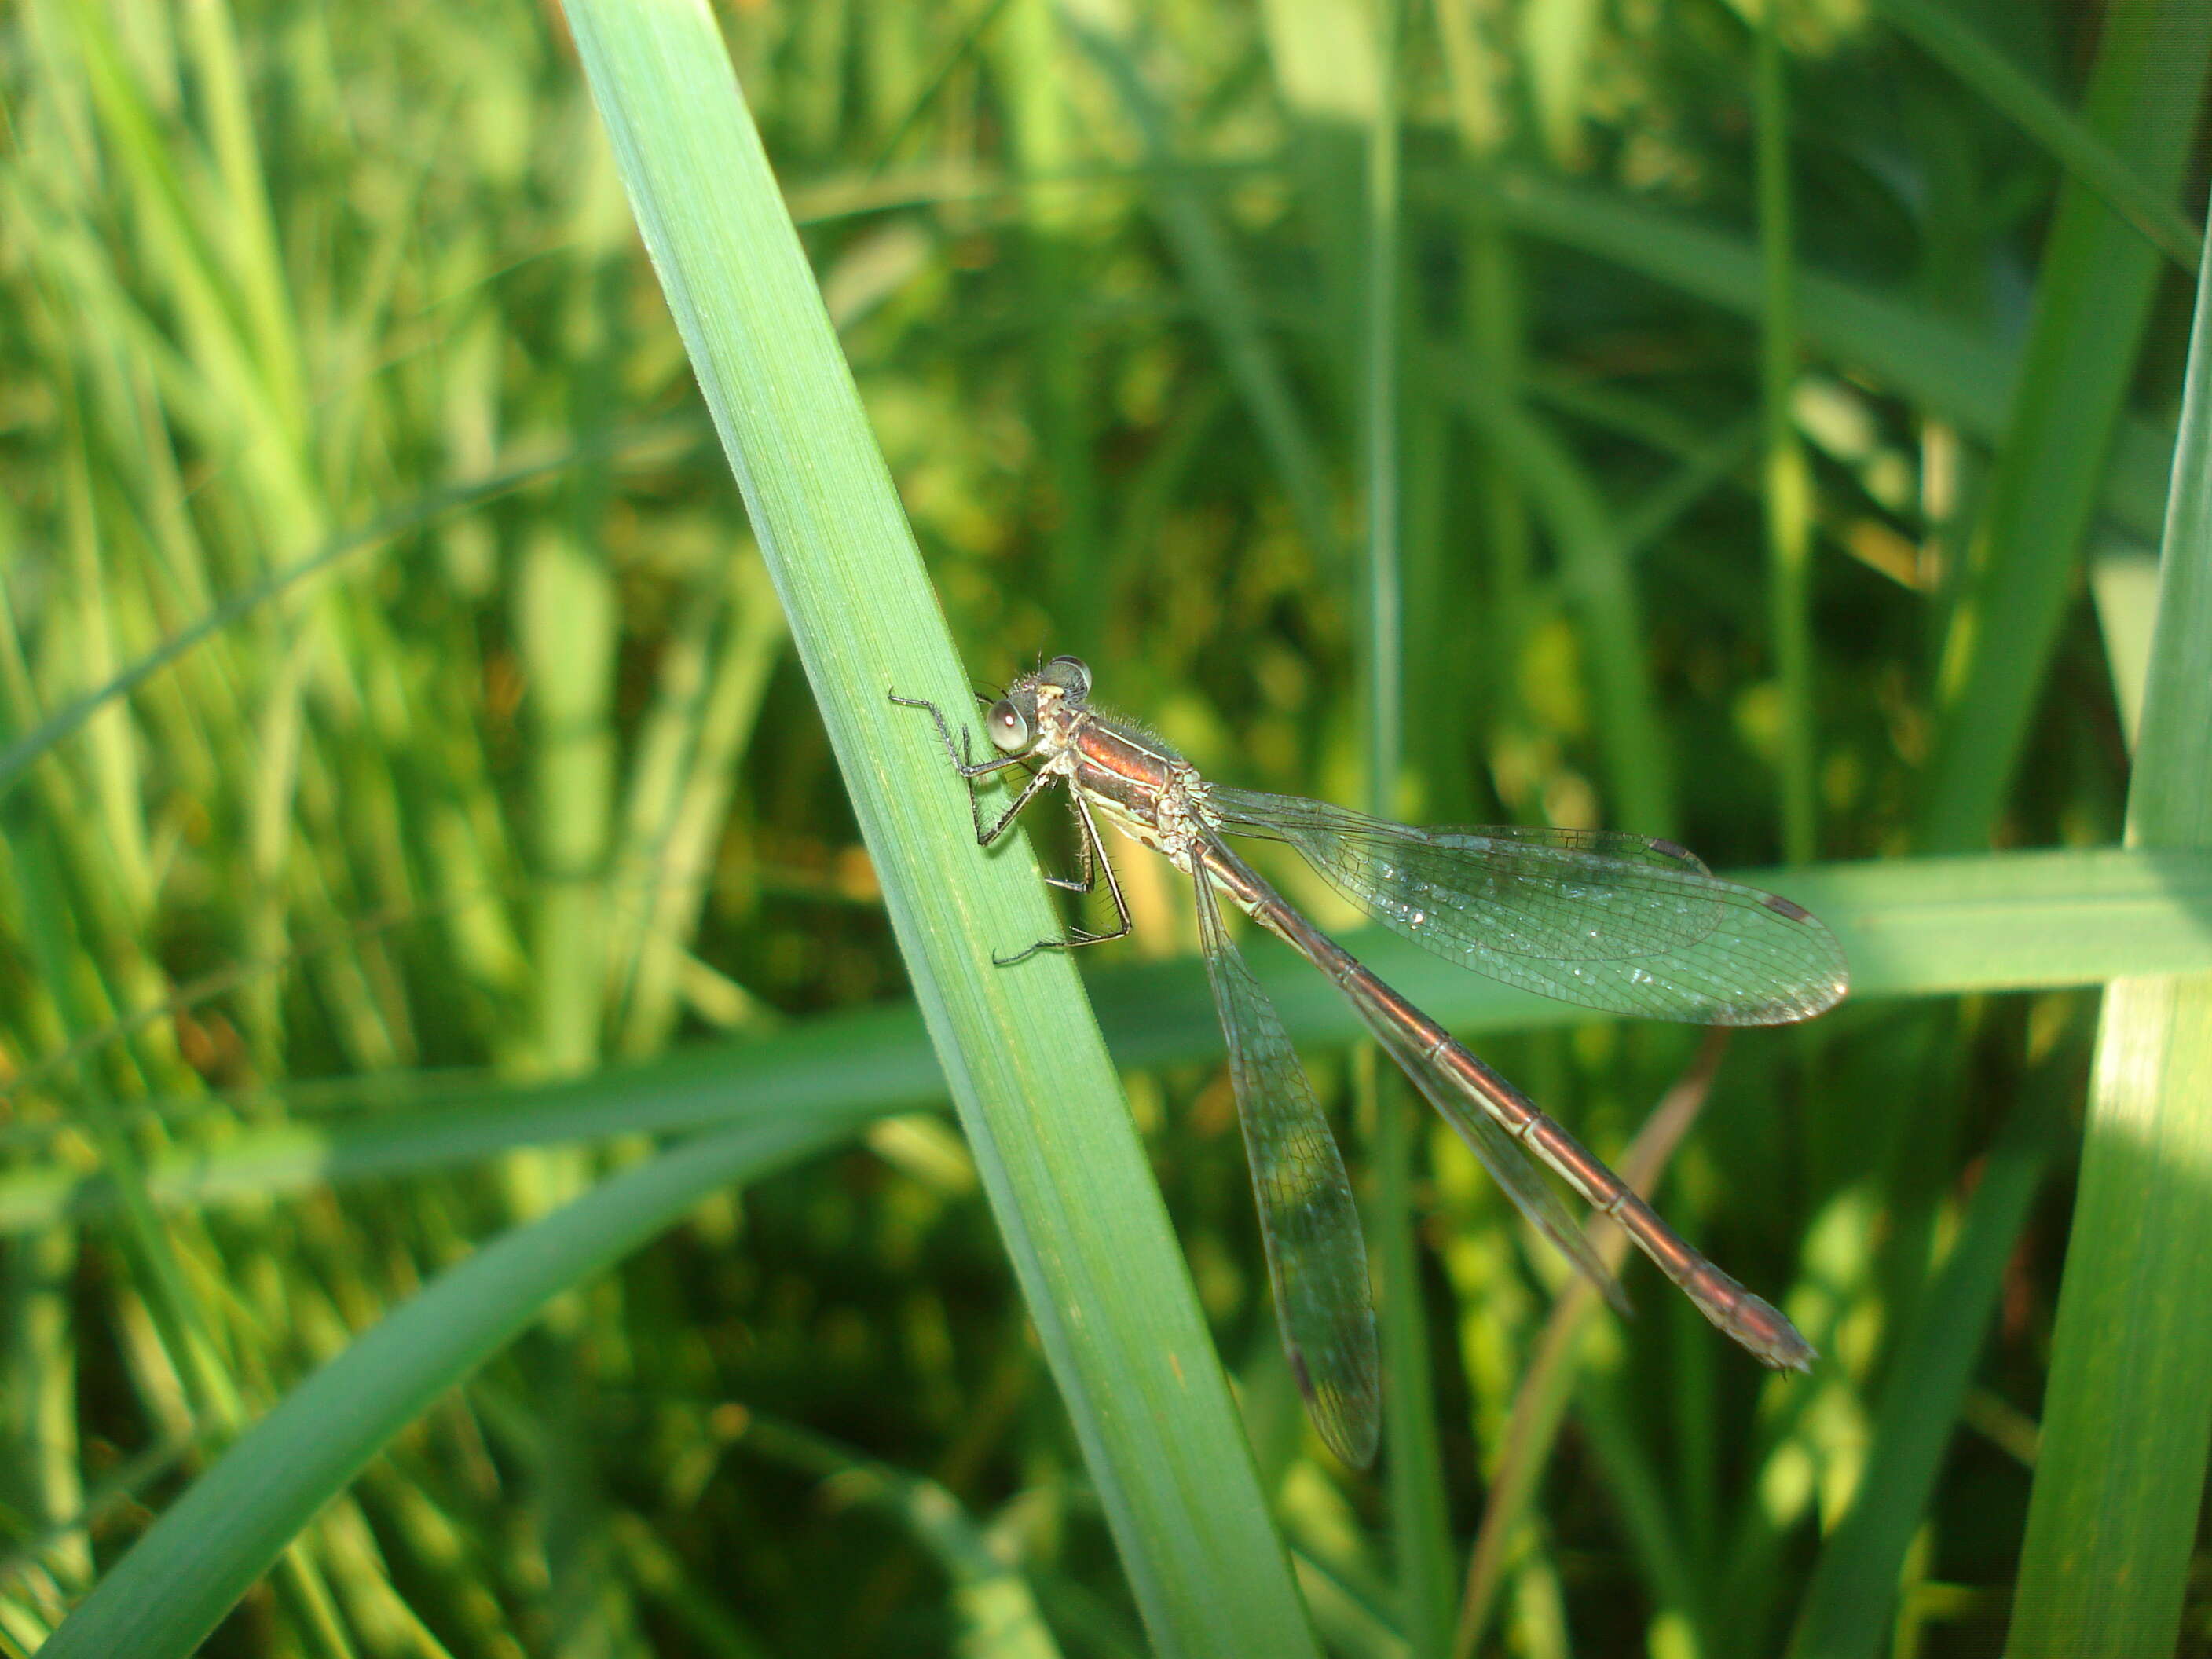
x: 1092, y: 854
x: 1086, y: 878
x: 972, y: 770
x: 1093, y: 858
x: 967, y: 769
x: 987, y: 837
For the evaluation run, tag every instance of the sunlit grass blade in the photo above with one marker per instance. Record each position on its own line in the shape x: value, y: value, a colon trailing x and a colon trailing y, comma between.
x: 2127, y: 1418
x: 678, y: 806
x: 1044, y: 1117
x: 1913, y: 927
x: 72, y: 716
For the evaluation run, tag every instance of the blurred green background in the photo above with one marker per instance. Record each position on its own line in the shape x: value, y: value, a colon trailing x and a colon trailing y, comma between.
x: 414, y: 809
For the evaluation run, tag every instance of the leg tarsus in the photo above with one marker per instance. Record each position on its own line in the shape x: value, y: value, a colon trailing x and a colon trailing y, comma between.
x: 1094, y: 859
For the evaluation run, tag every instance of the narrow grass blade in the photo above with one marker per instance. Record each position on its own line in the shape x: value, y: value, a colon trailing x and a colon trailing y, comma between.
x: 1849, y: 1607
x: 2092, y: 300
x: 1209, y: 266
x: 2127, y: 1415
x: 426, y: 510
x: 1540, y: 1404
x: 195, y: 1561
x: 1913, y: 927
x: 1593, y: 556
x: 1968, y: 377
x: 1060, y: 1160
x: 1419, y: 1524
x: 1939, y: 32
x: 1786, y: 485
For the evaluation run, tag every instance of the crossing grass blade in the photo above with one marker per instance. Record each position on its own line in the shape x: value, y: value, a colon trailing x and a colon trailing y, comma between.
x: 1913, y: 927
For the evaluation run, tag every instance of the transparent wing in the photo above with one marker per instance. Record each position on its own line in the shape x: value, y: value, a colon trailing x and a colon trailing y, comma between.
x: 1317, y: 1257
x: 1612, y: 921
x: 1510, y: 1166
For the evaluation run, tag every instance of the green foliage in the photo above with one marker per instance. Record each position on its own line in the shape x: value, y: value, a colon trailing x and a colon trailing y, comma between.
x: 469, y: 1180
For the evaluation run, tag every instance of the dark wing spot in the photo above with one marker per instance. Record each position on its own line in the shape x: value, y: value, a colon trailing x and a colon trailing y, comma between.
x: 1783, y: 906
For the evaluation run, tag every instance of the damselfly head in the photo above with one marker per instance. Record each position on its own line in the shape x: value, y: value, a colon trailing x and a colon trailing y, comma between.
x: 1013, y: 721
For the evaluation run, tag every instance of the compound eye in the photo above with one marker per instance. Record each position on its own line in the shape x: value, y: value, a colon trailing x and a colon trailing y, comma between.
x: 1008, y: 726
x: 1071, y: 674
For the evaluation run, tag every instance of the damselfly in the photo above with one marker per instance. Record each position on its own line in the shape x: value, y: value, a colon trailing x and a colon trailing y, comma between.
x: 1611, y: 921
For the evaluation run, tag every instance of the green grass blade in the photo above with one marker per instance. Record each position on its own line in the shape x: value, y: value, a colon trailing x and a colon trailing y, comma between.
x: 1963, y: 376
x: 1217, y: 284
x: 843, y: 1070
x: 1914, y: 927
x: 997, y: 1609
x: 1066, y: 1177
x: 1044, y: 132
x: 1849, y: 1607
x: 426, y: 510
x: 1786, y: 487
x: 1938, y: 31
x: 2127, y: 1415
x: 1551, y: 1375
x: 167, y: 1594
x: 1602, y: 588
x: 1419, y: 1523
x: 2092, y: 300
